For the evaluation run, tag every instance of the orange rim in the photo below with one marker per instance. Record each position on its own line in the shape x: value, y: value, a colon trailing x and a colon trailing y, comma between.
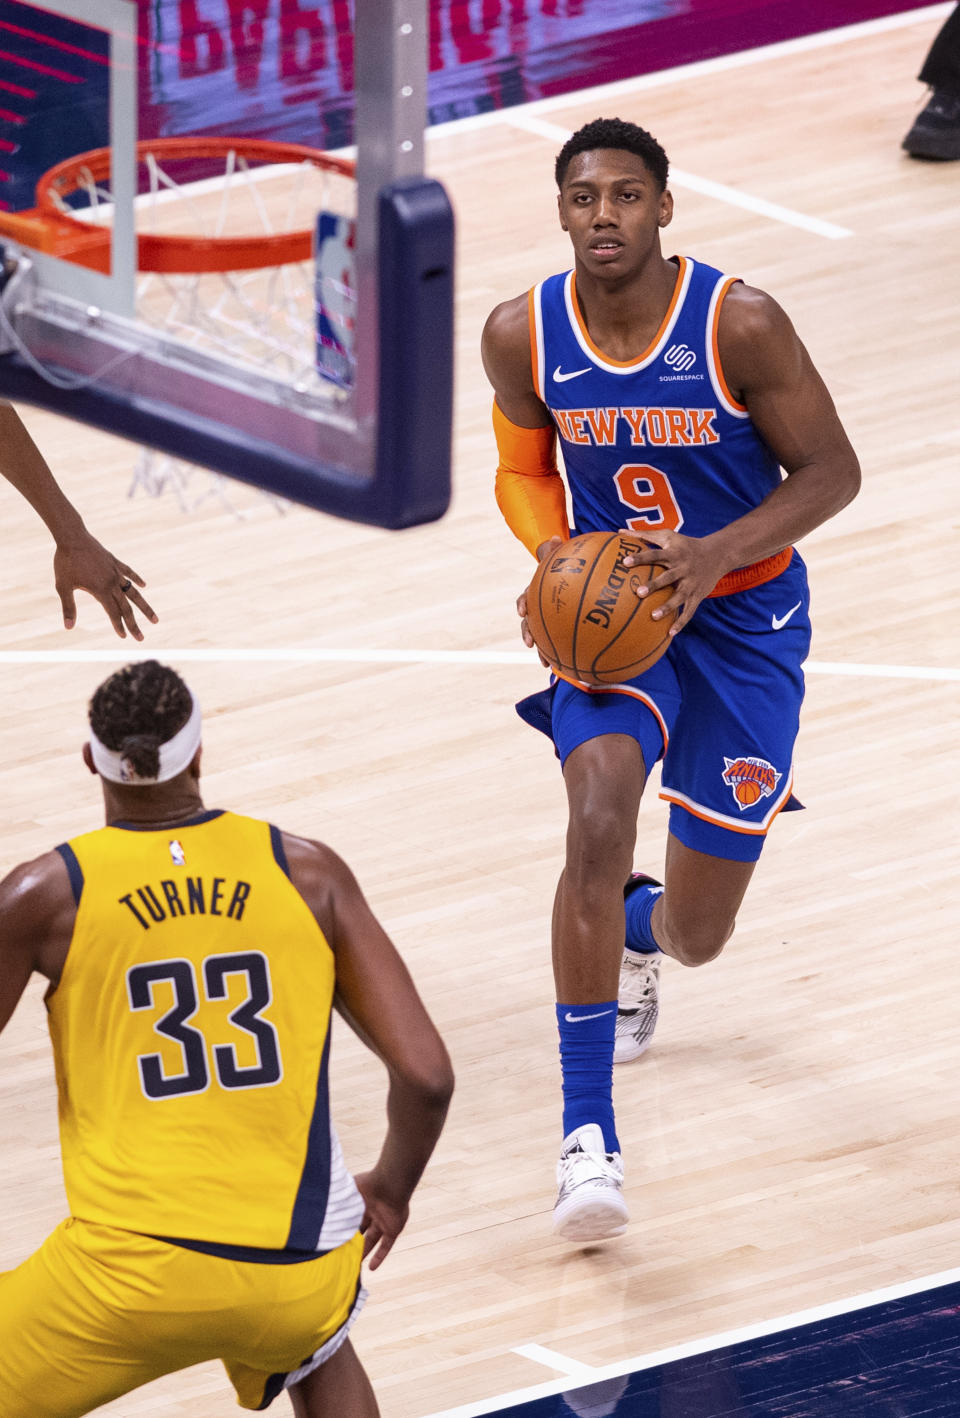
x: 48, y: 228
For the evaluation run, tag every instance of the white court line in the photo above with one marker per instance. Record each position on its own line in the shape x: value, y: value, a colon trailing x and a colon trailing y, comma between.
x: 680, y: 178
x: 571, y: 1367
x: 307, y: 654
x: 600, y: 93
x: 734, y: 198
x: 318, y: 655
x: 699, y: 1346
x: 838, y: 667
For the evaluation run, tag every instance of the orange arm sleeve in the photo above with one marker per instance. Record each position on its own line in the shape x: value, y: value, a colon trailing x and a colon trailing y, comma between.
x: 530, y: 491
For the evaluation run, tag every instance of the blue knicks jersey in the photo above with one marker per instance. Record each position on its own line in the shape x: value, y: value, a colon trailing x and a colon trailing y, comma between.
x: 658, y: 441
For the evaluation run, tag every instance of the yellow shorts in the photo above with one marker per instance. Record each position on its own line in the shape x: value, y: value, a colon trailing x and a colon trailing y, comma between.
x: 96, y: 1312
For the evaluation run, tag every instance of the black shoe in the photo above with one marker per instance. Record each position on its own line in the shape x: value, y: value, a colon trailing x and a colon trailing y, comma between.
x: 936, y: 129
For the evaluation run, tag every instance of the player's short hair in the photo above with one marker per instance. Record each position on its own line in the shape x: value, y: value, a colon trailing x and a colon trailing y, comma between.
x: 614, y: 133
x: 137, y: 709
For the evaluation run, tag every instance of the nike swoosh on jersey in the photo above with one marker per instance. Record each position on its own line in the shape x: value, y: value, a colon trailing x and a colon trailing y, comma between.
x: 577, y: 1018
x: 560, y: 378
x: 779, y: 621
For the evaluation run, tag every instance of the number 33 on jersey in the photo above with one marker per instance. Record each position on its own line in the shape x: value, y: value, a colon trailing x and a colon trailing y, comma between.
x: 659, y: 441
x: 208, y: 985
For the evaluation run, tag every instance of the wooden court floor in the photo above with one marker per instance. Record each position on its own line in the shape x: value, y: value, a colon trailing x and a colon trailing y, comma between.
x: 791, y: 1138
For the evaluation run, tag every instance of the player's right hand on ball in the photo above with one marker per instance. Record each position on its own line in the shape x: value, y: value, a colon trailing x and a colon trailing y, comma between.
x: 544, y: 550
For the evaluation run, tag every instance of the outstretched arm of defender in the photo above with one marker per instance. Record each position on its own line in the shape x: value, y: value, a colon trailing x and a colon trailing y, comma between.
x: 79, y: 562
x: 379, y: 1000
x: 770, y: 372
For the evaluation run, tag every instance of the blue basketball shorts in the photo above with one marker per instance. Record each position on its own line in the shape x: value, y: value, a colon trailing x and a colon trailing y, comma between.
x: 721, y: 708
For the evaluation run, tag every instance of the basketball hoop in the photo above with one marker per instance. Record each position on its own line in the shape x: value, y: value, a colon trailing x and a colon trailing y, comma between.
x: 226, y: 230
x: 58, y: 228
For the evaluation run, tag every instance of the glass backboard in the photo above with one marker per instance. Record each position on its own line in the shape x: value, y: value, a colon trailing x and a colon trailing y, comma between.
x: 260, y: 309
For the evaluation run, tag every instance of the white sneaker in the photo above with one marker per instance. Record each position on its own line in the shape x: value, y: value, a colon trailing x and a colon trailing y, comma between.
x: 638, y: 1004
x: 590, y: 1204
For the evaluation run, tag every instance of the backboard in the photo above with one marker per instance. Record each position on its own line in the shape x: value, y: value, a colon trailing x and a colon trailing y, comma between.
x: 348, y: 409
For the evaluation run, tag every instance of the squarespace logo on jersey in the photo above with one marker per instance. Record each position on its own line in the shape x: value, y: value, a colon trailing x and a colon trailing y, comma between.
x: 656, y: 426
x: 681, y: 358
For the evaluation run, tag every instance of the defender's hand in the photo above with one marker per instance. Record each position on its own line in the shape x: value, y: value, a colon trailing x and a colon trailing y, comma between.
x: 85, y: 565
x: 384, y: 1217
x: 544, y: 550
x: 692, y: 568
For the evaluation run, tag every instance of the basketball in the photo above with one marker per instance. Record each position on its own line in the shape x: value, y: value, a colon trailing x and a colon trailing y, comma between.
x: 585, y: 615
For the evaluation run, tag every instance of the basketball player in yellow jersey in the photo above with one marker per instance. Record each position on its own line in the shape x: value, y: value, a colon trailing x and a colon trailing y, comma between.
x: 194, y: 958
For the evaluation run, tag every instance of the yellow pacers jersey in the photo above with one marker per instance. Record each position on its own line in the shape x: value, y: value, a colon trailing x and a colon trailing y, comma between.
x: 191, y: 1034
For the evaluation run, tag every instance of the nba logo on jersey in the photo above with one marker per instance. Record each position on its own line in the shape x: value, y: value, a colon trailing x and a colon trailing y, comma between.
x: 177, y: 854
x: 750, y: 779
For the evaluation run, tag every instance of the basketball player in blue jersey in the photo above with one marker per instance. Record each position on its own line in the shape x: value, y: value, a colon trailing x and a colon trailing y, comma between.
x: 80, y: 563
x: 680, y: 399
x: 193, y: 960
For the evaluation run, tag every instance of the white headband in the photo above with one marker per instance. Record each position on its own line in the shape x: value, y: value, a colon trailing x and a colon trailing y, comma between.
x: 175, y: 754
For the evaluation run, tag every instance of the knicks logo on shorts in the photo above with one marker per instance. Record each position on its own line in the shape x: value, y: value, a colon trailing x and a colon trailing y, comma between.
x: 750, y: 780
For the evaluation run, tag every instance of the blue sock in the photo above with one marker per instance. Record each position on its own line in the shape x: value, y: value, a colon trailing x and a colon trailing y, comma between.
x: 639, y: 908
x: 586, y: 1062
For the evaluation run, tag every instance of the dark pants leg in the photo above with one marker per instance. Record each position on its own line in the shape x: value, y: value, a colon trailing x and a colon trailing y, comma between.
x: 941, y: 68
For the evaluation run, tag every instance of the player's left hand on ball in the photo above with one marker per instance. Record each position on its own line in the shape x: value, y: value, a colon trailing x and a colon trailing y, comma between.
x: 85, y: 565
x: 384, y: 1217
x: 528, y: 639
x: 543, y: 551
x: 692, y: 568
